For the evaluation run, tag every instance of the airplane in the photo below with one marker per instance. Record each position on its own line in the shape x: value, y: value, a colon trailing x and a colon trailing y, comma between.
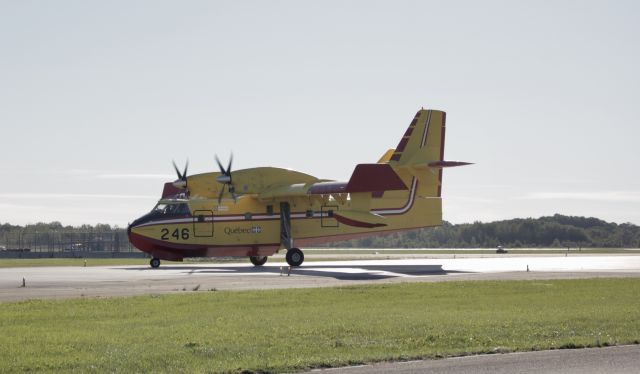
x: 259, y: 211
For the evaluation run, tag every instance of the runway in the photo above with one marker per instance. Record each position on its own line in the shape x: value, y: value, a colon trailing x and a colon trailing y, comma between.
x: 612, y: 360
x: 102, y: 281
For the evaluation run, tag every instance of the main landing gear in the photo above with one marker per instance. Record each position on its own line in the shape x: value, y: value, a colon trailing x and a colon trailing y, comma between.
x: 258, y: 260
x: 155, y: 263
x: 295, y: 257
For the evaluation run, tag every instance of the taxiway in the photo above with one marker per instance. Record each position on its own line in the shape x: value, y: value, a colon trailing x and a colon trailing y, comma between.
x: 611, y: 360
x: 102, y: 281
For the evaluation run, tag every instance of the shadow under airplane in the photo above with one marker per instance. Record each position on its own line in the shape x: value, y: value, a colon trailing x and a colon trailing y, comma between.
x: 340, y: 272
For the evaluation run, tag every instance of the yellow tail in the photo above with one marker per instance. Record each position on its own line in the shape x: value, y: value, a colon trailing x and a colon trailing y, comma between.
x: 410, y: 174
x: 420, y: 151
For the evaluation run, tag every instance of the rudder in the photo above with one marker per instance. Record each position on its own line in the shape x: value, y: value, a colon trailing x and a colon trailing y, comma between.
x: 422, y: 146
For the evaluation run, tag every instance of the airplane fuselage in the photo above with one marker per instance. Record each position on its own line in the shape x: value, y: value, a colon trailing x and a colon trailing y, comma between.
x: 250, y: 227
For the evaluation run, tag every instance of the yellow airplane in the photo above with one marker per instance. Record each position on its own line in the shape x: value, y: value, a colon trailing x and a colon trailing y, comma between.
x: 257, y: 212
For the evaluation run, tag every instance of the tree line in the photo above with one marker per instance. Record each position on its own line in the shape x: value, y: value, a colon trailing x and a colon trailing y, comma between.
x: 53, y: 236
x: 556, y: 231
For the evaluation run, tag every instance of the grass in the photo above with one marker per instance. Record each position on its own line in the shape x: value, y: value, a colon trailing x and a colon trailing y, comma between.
x: 288, y: 330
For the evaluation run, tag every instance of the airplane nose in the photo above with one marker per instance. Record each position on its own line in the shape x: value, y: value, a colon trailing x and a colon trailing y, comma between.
x: 131, y: 226
x: 135, y: 223
x: 139, y: 241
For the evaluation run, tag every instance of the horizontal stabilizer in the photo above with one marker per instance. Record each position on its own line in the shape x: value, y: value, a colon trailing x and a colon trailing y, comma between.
x: 359, y: 218
x: 374, y: 178
x: 448, y: 164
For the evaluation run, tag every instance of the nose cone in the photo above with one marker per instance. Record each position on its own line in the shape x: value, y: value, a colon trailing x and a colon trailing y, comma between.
x: 137, y: 239
x: 134, y: 224
x: 130, y: 233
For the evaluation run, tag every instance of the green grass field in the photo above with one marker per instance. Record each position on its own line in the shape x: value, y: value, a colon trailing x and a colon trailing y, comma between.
x: 288, y: 330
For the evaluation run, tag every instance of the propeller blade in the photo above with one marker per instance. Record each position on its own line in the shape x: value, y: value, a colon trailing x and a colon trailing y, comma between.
x: 225, y: 179
x: 181, y: 182
x: 232, y: 191
x: 186, y: 167
x: 181, y: 176
x: 175, y: 167
x: 220, y: 165
x: 229, y: 167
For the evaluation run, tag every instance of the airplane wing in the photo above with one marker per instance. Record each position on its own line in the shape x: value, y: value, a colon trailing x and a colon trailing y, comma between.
x: 365, y: 178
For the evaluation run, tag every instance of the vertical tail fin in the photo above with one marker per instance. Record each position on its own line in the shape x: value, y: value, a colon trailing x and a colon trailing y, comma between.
x: 424, y: 139
x: 420, y: 152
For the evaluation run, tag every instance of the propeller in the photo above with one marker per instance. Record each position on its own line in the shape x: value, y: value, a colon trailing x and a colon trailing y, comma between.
x: 225, y: 179
x: 181, y: 182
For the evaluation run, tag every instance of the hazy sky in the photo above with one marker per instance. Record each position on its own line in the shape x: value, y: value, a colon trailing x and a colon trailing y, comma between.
x: 97, y: 98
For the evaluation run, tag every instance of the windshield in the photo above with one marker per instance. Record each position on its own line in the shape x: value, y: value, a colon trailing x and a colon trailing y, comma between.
x: 171, y: 209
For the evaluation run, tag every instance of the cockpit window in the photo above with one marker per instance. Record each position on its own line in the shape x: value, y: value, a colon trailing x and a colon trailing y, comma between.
x: 171, y: 209
x: 182, y: 209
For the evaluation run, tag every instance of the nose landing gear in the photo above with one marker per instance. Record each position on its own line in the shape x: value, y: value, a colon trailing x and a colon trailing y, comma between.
x: 155, y: 263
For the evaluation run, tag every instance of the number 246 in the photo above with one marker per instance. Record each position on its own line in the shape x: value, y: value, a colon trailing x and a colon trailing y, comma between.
x: 177, y: 234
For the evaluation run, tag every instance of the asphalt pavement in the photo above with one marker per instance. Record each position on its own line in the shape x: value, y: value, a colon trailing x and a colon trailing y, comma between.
x: 101, y: 281
x: 606, y: 360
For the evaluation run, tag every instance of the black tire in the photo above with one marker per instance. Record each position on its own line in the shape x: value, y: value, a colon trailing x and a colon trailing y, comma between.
x: 258, y: 260
x: 295, y: 257
x: 155, y: 263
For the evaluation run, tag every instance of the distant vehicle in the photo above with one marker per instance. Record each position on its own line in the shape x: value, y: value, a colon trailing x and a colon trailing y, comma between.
x: 501, y: 250
x: 76, y: 247
x: 3, y: 248
x: 256, y: 212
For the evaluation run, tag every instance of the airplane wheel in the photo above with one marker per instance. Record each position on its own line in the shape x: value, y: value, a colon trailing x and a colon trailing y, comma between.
x: 295, y: 257
x: 155, y: 263
x: 258, y: 260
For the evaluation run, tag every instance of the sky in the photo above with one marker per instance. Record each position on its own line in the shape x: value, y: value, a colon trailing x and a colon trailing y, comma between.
x: 98, y: 97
